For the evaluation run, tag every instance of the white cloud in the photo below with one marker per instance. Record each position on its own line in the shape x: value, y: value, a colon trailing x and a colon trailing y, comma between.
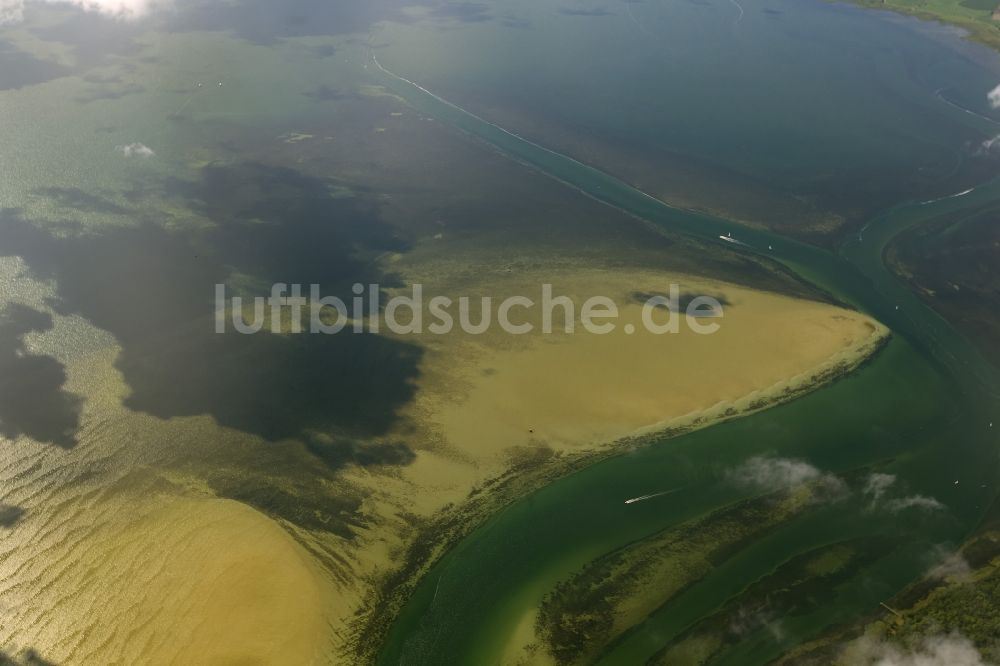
x: 136, y: 150
x: 774, y: 472
x: 994, y: 97
x: 914, y: 502
x: 950, y: 566
x: 877, y: 484
x: 951, y: 650
x: 989, y: 145
x: 118, y: 8
x: 779, y: 473
x: 12, y: 11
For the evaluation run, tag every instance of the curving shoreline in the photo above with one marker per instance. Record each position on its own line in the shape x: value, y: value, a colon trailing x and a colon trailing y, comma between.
x: 977, y: 23
x: 440, y: 533
x: 857, y: 275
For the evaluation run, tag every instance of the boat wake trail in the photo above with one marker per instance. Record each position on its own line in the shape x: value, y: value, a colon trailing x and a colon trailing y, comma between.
x: 950, y: 196
x: 642, y: 28
x: 182, y: 106
x: 939, y: 93
x: 956, y: 195
x: 739, y: 7
x: 643, y: 498
x: 414, y: 84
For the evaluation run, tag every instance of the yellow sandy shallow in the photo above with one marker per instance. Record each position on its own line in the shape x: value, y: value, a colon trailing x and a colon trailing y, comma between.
x: 183, y: 581
x: 482, y: 398
x: 179, y: 577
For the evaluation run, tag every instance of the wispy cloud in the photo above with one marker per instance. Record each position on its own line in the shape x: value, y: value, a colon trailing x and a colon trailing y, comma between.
x: 877, y: 485
x: 940, y: 650
x: 746, y: 621
x: 989, y: 146
x: 949, y: 565
x: 12, y: 11
x: 136, y: 150
x: 994, y: 97
x: 770, y: 473
x: 914, y: 502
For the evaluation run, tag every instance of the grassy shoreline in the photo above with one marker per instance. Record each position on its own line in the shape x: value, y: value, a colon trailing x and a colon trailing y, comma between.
x: 587, y: 614
x: 973, y: 16
x: 956, y: 597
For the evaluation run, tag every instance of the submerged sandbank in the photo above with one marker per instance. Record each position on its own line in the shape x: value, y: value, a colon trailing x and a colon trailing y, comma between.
x: 172, y: 580
x: 496, y: 416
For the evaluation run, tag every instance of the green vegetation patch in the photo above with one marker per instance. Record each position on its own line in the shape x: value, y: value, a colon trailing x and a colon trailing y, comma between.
x: 795, y: 587
x: 975, y: 16
x: 586, y: 612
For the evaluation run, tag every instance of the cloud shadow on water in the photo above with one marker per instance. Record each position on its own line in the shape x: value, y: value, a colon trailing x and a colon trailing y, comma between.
x: 684, y: 299
x: 32, y: 399
x: 24, y: 658
x: 10, y: 515
x: 153, y: 289
x: 327, y: 94
x: 105, y: 92
x: 94, y: 38
x: 75, y: 199
x: 19, y: 69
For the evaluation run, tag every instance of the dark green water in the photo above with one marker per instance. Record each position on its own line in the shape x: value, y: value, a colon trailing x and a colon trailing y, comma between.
x: 921, y: 411
x: 843, y: 108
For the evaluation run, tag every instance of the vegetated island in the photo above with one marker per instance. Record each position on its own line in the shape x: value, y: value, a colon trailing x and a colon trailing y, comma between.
x: 981, y: 18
